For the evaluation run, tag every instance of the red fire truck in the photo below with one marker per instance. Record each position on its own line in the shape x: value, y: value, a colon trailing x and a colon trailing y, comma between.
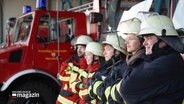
x: 30, y: 61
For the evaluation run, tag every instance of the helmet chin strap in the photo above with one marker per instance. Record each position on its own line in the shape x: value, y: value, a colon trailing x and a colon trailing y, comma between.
x: 94, y: 60
x: 156, y: 47
x: 160, y: 48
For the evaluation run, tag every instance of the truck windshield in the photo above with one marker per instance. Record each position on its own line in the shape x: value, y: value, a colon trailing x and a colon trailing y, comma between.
x: 23, y: 28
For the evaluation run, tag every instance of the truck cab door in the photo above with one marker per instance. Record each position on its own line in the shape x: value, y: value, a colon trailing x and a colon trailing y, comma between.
x: 52, y: 44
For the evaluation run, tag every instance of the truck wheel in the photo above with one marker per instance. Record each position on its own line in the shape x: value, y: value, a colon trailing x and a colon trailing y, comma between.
x: 33, y: 93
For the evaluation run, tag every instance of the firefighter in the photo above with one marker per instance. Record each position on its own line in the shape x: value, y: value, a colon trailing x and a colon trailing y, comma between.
x: 94, y: 58
x: 67, y: 76
x: 110, y: 72
x: 129, y: 29
x: 159, y: 78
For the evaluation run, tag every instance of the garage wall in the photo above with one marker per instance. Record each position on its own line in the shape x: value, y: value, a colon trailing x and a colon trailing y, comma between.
x: 13, y: 8
x: 1, y: 20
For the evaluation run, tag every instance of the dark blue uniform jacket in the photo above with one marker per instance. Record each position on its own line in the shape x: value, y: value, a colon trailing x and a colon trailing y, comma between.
x: 158, y: 79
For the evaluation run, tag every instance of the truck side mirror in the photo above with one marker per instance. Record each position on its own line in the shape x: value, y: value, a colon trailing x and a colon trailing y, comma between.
x: 11, y: 22
x: 96, y: 17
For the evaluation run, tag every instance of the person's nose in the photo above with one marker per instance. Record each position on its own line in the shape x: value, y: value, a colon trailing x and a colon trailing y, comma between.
x: 145, y: 43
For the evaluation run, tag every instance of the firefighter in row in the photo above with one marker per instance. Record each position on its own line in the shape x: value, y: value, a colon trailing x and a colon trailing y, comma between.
x: 114, y: 53
x: 67, y: 75
x: 134, y: 47
x: 129, y: 29
x: 158, y: 77
x: 94, y: 58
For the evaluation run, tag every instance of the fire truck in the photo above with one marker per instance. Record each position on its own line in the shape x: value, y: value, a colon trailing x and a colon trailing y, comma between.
x: 31, y: 57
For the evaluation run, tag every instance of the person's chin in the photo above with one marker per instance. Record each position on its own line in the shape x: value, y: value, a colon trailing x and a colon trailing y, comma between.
x: 148, y: 52
x: 107, y: 59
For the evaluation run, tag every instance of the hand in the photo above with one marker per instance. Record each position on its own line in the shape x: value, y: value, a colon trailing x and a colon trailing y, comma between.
x: 69, y: 67
x: 80, y: 85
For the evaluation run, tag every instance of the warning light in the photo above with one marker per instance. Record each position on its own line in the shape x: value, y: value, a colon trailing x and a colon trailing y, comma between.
x: 26, y: 9
x: 41, y: 4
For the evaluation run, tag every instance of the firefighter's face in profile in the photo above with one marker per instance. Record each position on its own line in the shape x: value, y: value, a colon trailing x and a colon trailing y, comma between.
x: 89, y: 58
x: 148, y: 43
x: 108, y: 52
x: 80, y: 50
x: 133, y: 43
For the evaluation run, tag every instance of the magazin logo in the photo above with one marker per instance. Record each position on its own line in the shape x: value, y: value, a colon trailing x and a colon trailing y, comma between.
x: 24, y: 94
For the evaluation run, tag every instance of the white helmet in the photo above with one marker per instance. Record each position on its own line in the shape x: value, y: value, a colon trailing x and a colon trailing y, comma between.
x: 159, y: 25
x: 117, y: 42
x: 95, y: 48
x: 130, y: 26
x: 162, y: 27
x: 83, y: 40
